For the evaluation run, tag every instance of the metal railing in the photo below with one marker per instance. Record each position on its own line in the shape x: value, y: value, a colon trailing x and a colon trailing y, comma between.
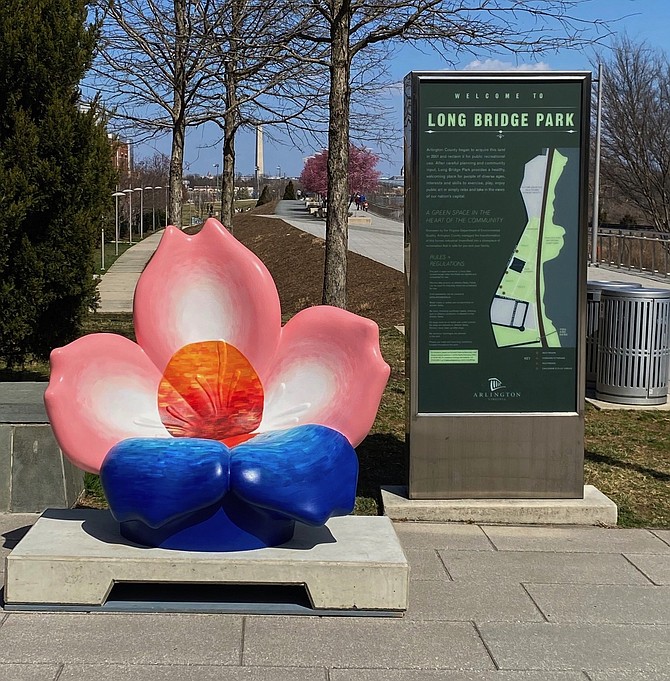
x: 388, y: 206
x: 635, y: 250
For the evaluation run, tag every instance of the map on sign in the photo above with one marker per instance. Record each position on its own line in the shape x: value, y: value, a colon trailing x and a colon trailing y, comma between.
x: 518, y: 313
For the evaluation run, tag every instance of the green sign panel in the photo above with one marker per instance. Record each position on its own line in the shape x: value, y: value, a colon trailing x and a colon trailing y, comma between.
x: 498, y: 220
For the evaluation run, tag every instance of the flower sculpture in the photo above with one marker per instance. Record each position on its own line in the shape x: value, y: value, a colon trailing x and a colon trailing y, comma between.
x: 220, y: 428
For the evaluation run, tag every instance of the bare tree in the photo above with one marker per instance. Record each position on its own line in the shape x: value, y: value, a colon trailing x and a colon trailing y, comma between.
x: 636, y: 128
x: 155, y: 71
x: 347, y: 28
x: 167, y: 65
x: 152, y: 170
x: 263, y: 80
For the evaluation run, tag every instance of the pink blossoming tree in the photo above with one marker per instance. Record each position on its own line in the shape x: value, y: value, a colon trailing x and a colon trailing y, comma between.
x: 363, y: 173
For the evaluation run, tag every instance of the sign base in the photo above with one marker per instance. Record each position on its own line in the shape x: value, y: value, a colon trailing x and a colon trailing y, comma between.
x: 594, y: 509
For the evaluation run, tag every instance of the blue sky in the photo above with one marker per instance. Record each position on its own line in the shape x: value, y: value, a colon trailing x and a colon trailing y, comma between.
x: 642, y: 20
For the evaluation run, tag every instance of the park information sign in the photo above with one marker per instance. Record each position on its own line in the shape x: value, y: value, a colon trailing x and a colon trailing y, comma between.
x: 495, y: 236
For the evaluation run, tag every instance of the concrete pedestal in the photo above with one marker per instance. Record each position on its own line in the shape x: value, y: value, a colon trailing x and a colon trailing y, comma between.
x: 594, y: 509
x: 74, y: 558
x: 34, y: 473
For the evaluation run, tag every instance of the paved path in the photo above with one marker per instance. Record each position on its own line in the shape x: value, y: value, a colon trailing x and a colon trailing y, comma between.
x: 487, y: 603
x: 117, y: 285
x: 627, y: 276
x: 382, y: 241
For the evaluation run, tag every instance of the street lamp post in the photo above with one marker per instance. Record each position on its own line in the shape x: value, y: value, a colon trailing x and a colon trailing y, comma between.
x: 153, y: 204
x: 166, y: 207
x: 116, y: 195
x: 152, y: 194
x: 596, y: 173
x: 141, y: 191
x: 129, y: 192
x: 216, y: 181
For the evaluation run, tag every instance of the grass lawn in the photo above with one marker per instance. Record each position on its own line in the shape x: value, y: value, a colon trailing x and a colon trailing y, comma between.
x: 627, y: 452
x: 245, y: 204
x: 627, y: 458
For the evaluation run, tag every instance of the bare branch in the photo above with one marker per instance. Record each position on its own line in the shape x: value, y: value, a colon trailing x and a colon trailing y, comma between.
x: 636, y: 129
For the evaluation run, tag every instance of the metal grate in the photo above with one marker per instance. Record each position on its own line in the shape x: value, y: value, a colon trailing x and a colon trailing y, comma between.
x: 594, y: 291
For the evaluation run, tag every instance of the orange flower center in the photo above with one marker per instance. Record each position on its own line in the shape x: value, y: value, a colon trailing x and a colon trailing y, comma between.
x: 210, y: 390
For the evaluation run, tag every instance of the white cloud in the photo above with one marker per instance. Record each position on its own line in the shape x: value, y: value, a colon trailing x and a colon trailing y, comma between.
x: 499, y: 65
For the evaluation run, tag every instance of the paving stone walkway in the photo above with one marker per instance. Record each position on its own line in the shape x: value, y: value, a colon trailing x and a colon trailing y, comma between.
x: 487, y: 603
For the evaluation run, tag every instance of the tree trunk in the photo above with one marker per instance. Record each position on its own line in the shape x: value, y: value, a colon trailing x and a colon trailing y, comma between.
x: 230, y: 118
x: 176, y: 174
x: 179, y: 120
x: 335, y: 270
x: 228, y: 178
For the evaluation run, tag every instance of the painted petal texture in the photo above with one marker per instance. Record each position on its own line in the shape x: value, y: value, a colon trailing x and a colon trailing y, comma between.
x: 206, y: 287
x: 210, y: 390
x: 328, y: 370
x: 157, y: 481
x: 102, y: 390
x: 308, y: 473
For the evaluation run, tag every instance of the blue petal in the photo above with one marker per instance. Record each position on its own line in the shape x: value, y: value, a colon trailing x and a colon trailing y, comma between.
x: 308, y: 473
x: 157, y: 481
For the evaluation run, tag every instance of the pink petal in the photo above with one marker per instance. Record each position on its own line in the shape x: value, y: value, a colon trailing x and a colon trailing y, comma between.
x: 206, y: 287
x: 102, y: 390
x: 329, y: 371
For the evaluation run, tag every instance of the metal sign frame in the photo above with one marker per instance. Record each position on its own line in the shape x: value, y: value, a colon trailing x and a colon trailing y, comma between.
x: 498, y: 451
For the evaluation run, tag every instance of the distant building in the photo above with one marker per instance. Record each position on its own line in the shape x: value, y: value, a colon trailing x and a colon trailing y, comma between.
x: 122, y: 158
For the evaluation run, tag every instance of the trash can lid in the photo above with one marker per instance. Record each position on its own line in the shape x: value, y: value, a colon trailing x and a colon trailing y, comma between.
x: 642, y: 292
x: 597, y: 285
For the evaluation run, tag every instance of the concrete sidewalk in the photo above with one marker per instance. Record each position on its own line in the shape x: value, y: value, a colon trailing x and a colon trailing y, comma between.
x: 486, y: 603
x: 601, y: 273
x: 382, y: 241
x: 117, y: 285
